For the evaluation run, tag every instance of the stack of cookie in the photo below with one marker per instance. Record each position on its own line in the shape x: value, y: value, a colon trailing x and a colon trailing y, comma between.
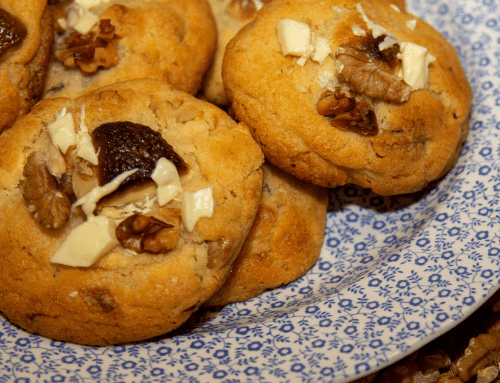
x: 130, y: 197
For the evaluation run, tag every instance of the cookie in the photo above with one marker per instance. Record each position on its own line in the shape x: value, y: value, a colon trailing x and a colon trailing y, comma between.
x: 284, y: 242
x: 358, y: 92
x: 129, y: 248
x: 26, y: 36
x: 230, y: 16
x: 168, y: 40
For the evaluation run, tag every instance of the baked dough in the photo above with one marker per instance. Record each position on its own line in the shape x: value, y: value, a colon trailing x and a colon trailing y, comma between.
x: 169, y: 40
x: 284, y: 242
x: 398, y: 139
x: 24, y: 63
x: 125, y: 296
x: 230, y: 16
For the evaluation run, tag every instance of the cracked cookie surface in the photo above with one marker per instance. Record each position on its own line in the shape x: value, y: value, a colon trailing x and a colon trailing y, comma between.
x: 385, y: 127
x: 132, y: 292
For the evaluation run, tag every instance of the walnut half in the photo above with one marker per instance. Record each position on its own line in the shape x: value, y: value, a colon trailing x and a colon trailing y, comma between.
x: 147, y: 234
x: 367, y: 78
x: 48, y: 201
x: 348, y: 111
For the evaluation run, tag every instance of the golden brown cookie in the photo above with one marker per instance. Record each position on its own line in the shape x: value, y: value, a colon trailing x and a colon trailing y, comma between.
x: 26, y: 37
x: 345, y: 91
x: 168, y: 40
x: 230, y: 16
x: 90, y: 263
x: 284, y: 242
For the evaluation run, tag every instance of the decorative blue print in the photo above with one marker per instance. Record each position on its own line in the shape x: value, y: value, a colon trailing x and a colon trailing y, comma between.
x: 394, y: 273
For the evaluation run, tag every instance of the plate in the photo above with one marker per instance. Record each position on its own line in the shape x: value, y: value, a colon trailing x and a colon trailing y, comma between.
x: 394, y: 273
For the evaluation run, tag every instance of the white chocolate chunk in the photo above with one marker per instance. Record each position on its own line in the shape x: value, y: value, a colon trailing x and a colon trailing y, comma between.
x: 294, y: 37
x: 62, y: 131
x: 195, y: 206
x: 84, y: 22
x: 80, y: 18
x: 167, y: 178
x: 62, y: 23
x: 395, y: 7
x: 412, y: 24
x: 415, y: 68
x: 87, y: 243
x: 89, y: 200
x: 321, y: 49
x: 84, y: 147
x: 358, y: 31
x: 387, y: 43
x: 258, y: 4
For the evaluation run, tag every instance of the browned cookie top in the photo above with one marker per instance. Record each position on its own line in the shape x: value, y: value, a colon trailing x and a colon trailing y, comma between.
x: 372, y: 96
x: 168, y: 40
x: 88, y: 264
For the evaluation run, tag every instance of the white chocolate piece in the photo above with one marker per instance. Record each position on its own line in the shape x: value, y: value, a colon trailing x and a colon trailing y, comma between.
x: 294, y: 37
x: 87, y: 243
x: 167, y: 178
x: 415, y: 68
x: 62, y: 131
x: 84, y: 147
x: 89, y: 200
x: 195, y: 206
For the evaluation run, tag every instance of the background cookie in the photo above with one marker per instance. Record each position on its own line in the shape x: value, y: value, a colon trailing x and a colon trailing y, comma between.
x: 169, y: 40
x: 25, y: 43
x: 230, y: 16
x: 128, y: 294
x: 285, y: 239
x: 384, y: 135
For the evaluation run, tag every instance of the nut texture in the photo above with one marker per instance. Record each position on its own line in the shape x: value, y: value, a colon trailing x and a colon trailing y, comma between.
x: 91, y: 51
x: 367, y: 77
x: 48, y: 202
x: 144, y: 234
x: 348, y: 111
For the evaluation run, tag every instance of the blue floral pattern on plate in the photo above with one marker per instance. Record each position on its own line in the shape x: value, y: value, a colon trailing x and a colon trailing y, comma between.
x: 394, y: 273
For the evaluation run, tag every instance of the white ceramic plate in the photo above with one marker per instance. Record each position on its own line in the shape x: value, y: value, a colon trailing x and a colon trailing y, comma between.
x: 394, y: 273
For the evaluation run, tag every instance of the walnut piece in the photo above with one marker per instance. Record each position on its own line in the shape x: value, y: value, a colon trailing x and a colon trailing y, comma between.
x: 147, y: 234
x: 483, y: 351
x: 367, y: 77
x: 487, y: 375
x: 91, y: 51
x: 12, y: 30
x: 47, y: 199
x: 348, y: 111
x: 420, y: 367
